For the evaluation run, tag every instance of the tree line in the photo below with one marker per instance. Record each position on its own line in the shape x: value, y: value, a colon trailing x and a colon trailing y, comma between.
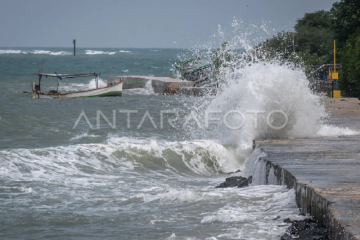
x: 313, y: 38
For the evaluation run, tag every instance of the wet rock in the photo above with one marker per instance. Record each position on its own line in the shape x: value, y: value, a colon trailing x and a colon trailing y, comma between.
x: 237, y: 171
x: 307, y: 229
x: 236, y: 182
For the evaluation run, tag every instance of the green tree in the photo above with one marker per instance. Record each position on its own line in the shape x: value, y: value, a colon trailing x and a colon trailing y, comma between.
x: 350, y: 73
x: 279, y: 46
x: 346, y: 19
x: 314, y: 34
x: 313, y: 41
x: 222, y: 57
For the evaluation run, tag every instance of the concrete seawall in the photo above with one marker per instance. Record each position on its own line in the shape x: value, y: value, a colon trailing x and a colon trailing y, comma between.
x: 325, y: 173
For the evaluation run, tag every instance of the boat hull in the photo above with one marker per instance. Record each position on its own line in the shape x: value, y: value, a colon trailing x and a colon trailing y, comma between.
x: 110, y: 91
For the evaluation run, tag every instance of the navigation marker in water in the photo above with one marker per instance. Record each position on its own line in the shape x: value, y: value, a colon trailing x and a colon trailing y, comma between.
x: 74, y: 42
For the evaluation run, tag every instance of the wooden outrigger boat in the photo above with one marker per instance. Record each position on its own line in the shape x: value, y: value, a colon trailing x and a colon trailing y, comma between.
x: 113, y: 88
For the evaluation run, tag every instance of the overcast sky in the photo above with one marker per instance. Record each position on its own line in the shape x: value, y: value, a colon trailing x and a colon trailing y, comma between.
x: 137, y: 23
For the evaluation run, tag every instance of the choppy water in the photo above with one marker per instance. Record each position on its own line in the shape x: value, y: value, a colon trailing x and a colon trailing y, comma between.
x: 145, y: 181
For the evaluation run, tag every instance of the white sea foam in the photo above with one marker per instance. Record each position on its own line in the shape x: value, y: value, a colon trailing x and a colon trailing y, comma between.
x: 124, y: 51
x: 260, y: 214
x: 92, y: 83
x: 332, y: 130
x: 10, y: 51
x: 50, y: 52
x: 181, y: 195
x: 84, y: 135
x: 94, y: 52
x: 266, y: 87
x: 148, y: 90
x: 45, y: 52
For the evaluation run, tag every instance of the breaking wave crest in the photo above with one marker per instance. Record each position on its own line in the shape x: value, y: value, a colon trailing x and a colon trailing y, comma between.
x: 35, y: 52
x: 50, y: 52
x: 93, y: 52
x: 277, y: 95
x: 117, y: 155
x: 11, y: 51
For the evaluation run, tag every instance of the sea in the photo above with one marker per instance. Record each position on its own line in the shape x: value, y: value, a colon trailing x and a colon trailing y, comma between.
x: 144, y: 165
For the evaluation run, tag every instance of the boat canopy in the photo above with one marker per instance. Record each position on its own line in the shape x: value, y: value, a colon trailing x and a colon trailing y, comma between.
x: 62, y: 76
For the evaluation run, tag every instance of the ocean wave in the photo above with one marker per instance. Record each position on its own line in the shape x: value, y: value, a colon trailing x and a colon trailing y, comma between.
x: 124, y: 51
x: 35, y: 52
x: 204, y: 157
x: 148, y: 90
x: 84, y: 135
x: 261, y: 213
x: 50, y: 52
x: 94, y: 52
x: 70, y: 87
x: 272, y: 199
x: 180, y: 195
x: 10, y: 51
x: 119, y: 154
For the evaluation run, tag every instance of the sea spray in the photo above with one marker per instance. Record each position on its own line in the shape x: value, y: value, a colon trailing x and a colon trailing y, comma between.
x: 264, y: 88
x: 258, y: 97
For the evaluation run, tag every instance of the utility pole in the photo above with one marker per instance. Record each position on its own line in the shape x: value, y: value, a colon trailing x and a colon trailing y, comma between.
x: 74, y: 42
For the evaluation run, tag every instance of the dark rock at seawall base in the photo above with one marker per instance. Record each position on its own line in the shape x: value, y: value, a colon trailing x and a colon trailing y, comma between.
x: 307, y: 229
x: 236, y: 182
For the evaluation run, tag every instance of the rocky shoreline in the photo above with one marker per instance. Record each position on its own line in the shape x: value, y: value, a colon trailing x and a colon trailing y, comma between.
x: 308, y: 229
x: 237, y: 181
